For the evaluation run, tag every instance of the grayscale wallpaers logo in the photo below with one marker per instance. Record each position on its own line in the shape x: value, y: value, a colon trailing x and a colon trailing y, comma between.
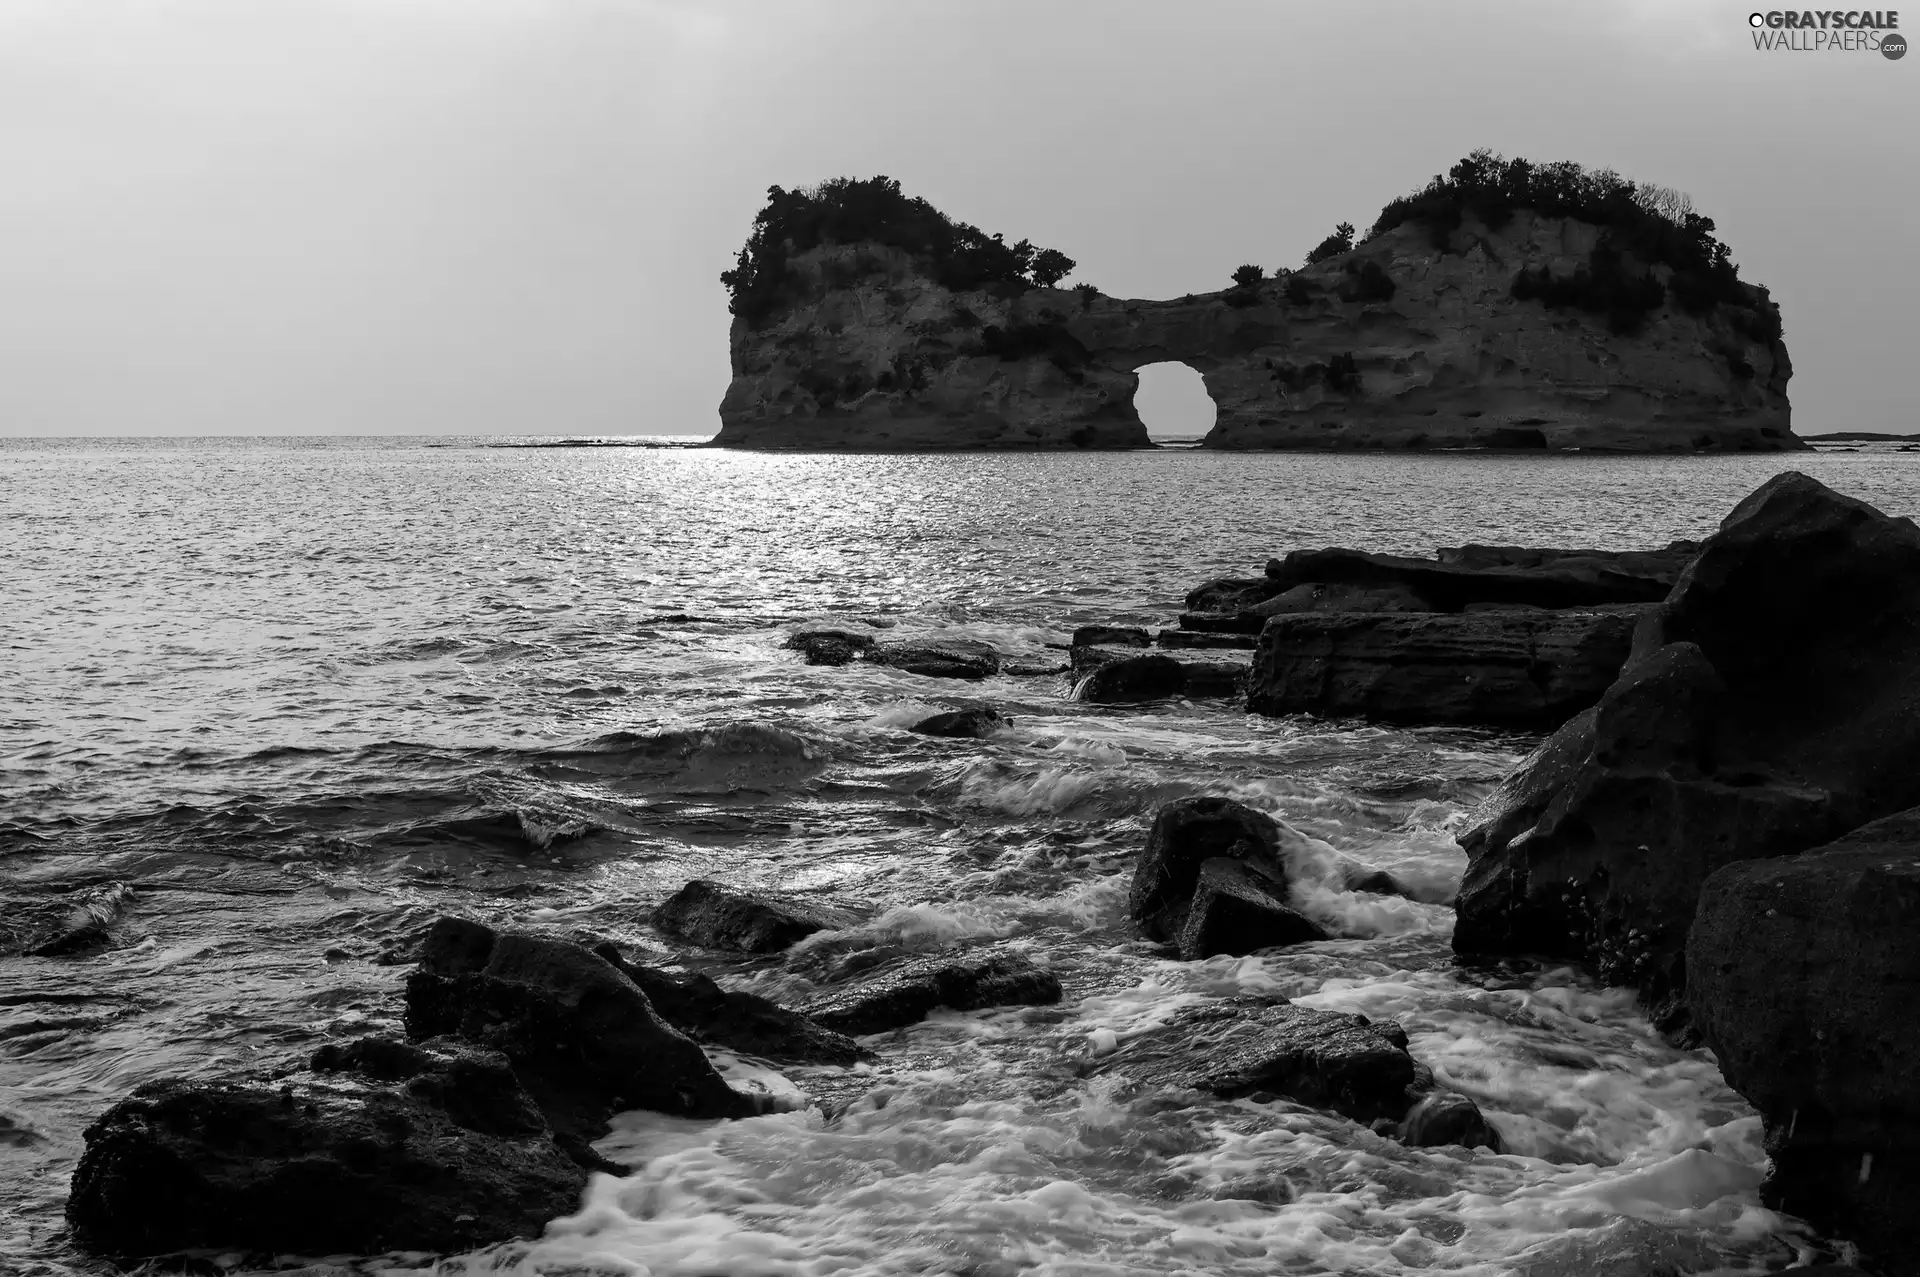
x: 1829, y: 31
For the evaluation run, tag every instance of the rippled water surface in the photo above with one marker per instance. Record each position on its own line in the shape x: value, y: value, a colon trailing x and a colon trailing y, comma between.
x: 304, y: 695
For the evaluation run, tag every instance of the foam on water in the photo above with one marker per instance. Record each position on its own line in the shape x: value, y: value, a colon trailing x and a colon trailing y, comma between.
x: 298, y: 744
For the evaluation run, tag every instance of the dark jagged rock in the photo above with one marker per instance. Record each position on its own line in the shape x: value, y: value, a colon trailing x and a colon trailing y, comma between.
x: 1448, y: 587
x: 974, y: 721
x: 1528, y: 670
x: 1447, y: 1117
x: 1186, y: 834
x: 1236, y: 910
x: 1111, y: 636
x: 582, y: 1037
x: 1230, y: 594
x: 1244, y: 1046
x: 1155, y: 677
x: 1773, y: 704
x: 699, y: 1007
x: 895, y: 996
x: 717, y: 916
x: 831, y: 646
x: 381, y: 1145
x: 1804, y: 976
x: 1355, y: 876
x: 1189, y: 638
x: 940, y: 658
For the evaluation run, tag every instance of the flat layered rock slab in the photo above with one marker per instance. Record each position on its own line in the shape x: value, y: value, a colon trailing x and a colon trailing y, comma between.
x: 1523, y: 670
x: 895, y: 996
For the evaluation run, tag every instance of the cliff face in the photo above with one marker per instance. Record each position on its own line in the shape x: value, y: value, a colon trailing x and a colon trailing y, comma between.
x: 871, y: 353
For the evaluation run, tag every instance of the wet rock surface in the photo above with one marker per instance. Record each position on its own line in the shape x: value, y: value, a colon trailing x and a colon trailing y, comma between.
x: 1803, y: 976
x: 1122, y: 677
x: 968, y: 659
x: 975, y: 721
x: 1186, y: 834
x: 896, y: 995
x: 1528, y: 670
x: 1563, y: 580
x: 1772, y: 703
x: 745, y: 921
x: 581, y: 1036
x: 1245, y: 1046
x: 377, y: 1145
x: 712, y: 1015
x: 1236, y: 910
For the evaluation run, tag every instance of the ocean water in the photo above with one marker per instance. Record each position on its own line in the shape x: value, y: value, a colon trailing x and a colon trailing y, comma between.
x: 306, y: 694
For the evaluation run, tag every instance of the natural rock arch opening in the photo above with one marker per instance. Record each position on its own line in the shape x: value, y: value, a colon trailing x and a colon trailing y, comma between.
x: 1172, y: 401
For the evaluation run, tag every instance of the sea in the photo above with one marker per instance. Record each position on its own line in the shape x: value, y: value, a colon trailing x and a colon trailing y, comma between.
x: 305, y: 695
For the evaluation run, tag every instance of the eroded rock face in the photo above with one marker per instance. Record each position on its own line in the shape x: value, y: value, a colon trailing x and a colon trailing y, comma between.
x: 877, y: 355
x: 1773, y: 703
x: 1803, y: 975
x: 378, y: 1145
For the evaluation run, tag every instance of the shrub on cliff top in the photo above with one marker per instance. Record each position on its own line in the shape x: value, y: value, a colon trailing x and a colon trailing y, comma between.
x: 1656, y: 224
x: 1341, y: 241
x: 846, y: 210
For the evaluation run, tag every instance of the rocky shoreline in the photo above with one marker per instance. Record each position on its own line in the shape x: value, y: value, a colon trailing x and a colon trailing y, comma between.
x: 1723, y: 817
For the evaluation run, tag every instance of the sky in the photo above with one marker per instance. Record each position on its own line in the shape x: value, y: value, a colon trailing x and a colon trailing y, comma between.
x: 509, y: 216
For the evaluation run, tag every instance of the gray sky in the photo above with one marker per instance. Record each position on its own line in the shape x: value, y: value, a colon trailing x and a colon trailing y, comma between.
x: 507, y: 216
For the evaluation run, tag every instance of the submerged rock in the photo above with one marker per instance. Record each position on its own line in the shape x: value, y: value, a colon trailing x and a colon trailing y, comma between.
x: 1236, y: 910
x: 940, y: 658
x: 1803, y: 973
x: 895, y: 996
x: 718, y: 916
x: 1448, y: 1117
x: 1528, y: 670
x: 831, y: 646
x: 699, y: 1007
x: 975, y: 721
x: 1773, y: 703
x: 62, y: 925
x: 379, y: 1145
x: 1186, y: 834
x: 582, y: 1037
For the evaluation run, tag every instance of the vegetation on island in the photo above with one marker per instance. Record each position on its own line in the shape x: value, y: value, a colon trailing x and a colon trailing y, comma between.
x: 845, y: 210
x: 1642, y: 225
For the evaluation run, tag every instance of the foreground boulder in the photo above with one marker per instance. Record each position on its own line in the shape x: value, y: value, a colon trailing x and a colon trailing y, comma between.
x: 582, y: 1037
x: 1804, y: 977
x: 717, y: 916
x: 1187, y: 834
x: 711, y: 1015
x: 1525, y: 670
x: 378, y: 1145
x: 1773, y: 703
x: 892, y: 997
x: 1236, y: 910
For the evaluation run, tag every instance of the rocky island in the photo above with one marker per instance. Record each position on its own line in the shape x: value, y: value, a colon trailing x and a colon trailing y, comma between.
x: 1504, y: 305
